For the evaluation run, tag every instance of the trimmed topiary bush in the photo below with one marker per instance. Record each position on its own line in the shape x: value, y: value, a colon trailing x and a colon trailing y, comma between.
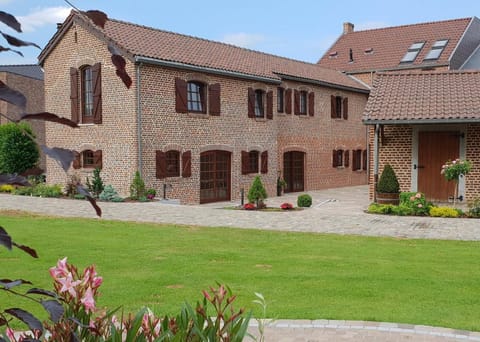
x: 257, y: 192
x: 18, y: 151
x: 445, y: 212
x: 110, y: 195
x: 304, y: 201
x: 388, y: 182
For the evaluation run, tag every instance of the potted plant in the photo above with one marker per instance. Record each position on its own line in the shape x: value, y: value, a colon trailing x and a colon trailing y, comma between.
x: 388, y: 188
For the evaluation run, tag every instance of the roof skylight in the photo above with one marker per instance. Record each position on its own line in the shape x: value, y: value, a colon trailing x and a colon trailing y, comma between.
x: 412, y: 52
x: 437, y: 49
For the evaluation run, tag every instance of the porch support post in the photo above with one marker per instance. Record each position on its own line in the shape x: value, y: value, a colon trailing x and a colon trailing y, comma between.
x: 375, y: 162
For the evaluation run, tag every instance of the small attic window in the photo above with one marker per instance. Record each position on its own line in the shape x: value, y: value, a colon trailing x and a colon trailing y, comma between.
x: 412, y: 52
x: 333, y: 54
x: 368, y: 51
x: 437, y: 49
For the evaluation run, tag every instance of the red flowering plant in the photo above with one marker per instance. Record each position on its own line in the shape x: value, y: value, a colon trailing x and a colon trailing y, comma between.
x: 249, y: 206
x: 286, y: 206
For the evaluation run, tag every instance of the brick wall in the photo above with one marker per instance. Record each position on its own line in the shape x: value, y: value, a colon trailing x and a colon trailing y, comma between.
x: 472, y: 181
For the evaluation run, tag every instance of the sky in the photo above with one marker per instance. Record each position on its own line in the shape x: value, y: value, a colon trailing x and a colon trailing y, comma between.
x: 302, y: 30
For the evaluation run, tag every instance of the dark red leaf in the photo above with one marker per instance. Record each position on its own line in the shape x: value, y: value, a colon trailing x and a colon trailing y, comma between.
x: 27, y: 318
x: 18, y: 42
x: 3, y: 321
x: 63, y: 156
x: 5, y: 239
x: 46, y: 116
x: 26, y: 249
x: 8, y: 284
x: 13, y: 179
x: 35, y: 290
x: 10, y: 20
x: 82, y: 191
x: 54, y: 308
x: 126, y: 79
x: 119, y: 62
x: 34, y: 171
x: 2, y: 49
x: 98, y: 17
x: 9, y: 95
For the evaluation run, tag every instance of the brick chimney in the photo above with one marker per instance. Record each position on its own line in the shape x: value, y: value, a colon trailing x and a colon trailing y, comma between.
x: 347, y: 28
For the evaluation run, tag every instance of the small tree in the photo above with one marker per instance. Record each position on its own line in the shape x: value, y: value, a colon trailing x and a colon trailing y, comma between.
x: 257, y: 191
x: 388, y: 182
x: 18, y: 150
x: 137, y: 188
x: 97, y: 183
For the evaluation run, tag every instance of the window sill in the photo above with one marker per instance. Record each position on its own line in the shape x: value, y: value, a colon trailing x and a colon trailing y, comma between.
x: 198, y: 115
x: 260, y: 119
x: 86, y: 124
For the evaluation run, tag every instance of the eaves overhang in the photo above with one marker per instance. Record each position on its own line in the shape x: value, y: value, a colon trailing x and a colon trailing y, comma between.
x: 420, y: 121
x: 322, y: 83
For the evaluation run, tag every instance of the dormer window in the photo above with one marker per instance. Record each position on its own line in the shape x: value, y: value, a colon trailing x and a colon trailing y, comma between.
x: 437, y: 49
x: 412, y: 52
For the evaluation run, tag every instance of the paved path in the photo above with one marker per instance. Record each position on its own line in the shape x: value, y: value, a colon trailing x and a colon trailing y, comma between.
x: 336, y: 211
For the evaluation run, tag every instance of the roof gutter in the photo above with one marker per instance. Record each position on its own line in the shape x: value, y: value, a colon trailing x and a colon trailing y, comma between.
x: 323, y: 83
x: 420, y: 121
x: 170, y: 64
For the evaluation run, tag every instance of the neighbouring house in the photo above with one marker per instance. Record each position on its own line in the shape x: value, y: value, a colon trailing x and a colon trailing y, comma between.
x: 27, y: 79
x: 419, y: 121
x: 441, y: 45
x: 201, y: 118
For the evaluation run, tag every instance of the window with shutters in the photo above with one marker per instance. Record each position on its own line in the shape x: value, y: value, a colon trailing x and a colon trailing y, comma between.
x: 88, y: 160
x: 357, y: 160
x: 172, y: 160
x: 341, y: 158
x: 364, y: 159
x: 87, y: 94
x: 196, y: 97
x: 259, y: 107
x: 253, y: 161
x: 280, y: 99
x: 303, y: 103
x: 339, y: 107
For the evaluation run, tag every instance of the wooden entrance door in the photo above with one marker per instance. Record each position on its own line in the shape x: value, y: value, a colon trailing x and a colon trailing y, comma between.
x: 215, y: 177
x: 293, y: 170
x: 434, y: 149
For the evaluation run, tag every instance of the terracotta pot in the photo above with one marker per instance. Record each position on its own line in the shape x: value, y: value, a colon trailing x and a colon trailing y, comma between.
x: 388, y: 198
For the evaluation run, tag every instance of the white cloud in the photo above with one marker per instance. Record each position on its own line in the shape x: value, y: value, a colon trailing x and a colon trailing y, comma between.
x: 243, y: 39
x: 42, y: 17
x: 369, y: 25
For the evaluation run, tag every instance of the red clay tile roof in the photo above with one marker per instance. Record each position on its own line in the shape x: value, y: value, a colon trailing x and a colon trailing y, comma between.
x: 177, y: 48
x: 424, y: 97
x: 390, y: 45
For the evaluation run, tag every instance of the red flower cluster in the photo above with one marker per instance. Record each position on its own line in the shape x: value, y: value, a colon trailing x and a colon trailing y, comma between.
x: 249, y: 206
x: 286, y: 206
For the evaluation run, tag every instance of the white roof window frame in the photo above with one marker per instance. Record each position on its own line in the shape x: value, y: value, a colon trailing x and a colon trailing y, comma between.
x: 412, y: 52
x: 436, y: 50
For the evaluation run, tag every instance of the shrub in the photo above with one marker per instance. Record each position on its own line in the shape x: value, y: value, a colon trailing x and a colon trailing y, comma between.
x: 286, y: 206
x: 388, y: 182
x: 304, y: 201
x: 445, y: 212
x: 7, y: 188
x: 79, y: 196
x: 71, y: 186
x: 110, y: 195
x: 453, y: 169
x: 474, y: 208
x: 257, y: 191
x: 24, y: 191
x: 151, y: 193
x: 376, y: 208
x: 137, y: 188
x: 97, y: 183
x: 45, y: 190
x: 416, y: 202
x: 18, y: 149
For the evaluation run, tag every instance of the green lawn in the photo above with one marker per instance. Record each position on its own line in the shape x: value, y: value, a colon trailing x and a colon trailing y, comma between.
x: 302, y: 276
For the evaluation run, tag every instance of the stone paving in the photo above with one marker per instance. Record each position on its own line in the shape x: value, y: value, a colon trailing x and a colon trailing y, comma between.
x: 334, y: 211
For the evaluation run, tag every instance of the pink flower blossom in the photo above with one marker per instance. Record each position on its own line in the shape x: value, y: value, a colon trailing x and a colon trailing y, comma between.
x: 60, y: 270
x: 418, y: 195
x: 68, y: 284
x: 412, y: 198
x: 10, y: 334
x: 97, y: 281
x: 420, y: 205
x: 88, y: 301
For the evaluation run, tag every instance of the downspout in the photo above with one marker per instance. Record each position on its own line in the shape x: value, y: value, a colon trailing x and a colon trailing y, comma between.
x: 375, y: 162
x: 139, y: 121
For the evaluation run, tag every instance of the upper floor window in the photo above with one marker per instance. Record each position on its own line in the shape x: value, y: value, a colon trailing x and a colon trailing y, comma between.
x: 280, y: 99
x: 412, y: 52
x: 437, y: 49
x: 303, y: 103
x: 86, y: 94
x: 172, y: 159
x: 259, y: 103
x: 259, y: 110
x: 196, y: 97
x: 339, y: 107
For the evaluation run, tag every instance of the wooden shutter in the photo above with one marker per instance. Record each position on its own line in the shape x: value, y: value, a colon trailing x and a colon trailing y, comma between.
x: 77, y: 160
x: 160, y: 164
x: 214, y: 99
x: 270, y: 105
x: 354, y: 160
x: 180, y: 96
x: 333, y: 107
x: 296, y: 102
x: 346, y: 161
x: 97, y: 159
x: 245, y: 163
x: 187, y: 164
x: 311, y: 103
x: 74, y: 103
x: 251, y: 103
x: 264, y: 162
x: 345, y: 108
x: 288, y: 101
x: 365, y: 156
x: 334, y: 158
x: 97, y: 93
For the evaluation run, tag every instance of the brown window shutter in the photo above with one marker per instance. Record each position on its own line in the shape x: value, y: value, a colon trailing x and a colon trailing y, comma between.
x: 77, y: 160
x: 264, y: 162
x: 97, y: 159
x: 354, y: 160
x: 161, y: 164
x: 365, y: 156
x: 187, y: 164
x: 245, y: 163
x: 75, y: 108
x: 214, y: 99
x: 288, y: 101
x: 270, y: 105
x: 346, y: 161
x: 97, y: 93
x: 334, y: 158
x: 251, y: 103
x: 333, y: 105
x: 180, y: 96
x: 296, y: 102
x: 345, y: 108
x: 311, y: 103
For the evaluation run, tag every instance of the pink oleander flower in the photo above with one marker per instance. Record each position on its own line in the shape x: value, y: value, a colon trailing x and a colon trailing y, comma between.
x: 10, y: 334
x: 68, y: 284
x: 60, y: 270
x: 88, y: 301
